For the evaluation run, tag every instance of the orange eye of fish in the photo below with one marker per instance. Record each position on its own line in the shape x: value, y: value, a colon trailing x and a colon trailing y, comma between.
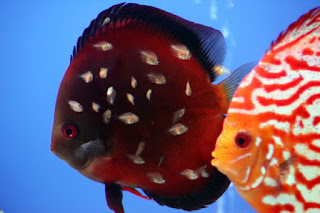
x: 69, y: 131
x: 243, y: 139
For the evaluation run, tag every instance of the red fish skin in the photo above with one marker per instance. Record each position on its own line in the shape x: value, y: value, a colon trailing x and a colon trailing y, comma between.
x: 203, y: 110
x: 279, y: 170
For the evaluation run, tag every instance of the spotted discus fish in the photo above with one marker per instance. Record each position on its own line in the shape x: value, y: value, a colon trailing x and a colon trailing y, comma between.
x: 270, y: 143
x: 136, y: 107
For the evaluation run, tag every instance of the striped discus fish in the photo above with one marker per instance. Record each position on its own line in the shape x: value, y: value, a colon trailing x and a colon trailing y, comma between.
x: 270, y: 143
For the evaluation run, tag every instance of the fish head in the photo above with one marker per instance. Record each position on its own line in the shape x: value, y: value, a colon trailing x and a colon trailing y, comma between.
x: 79, y: 133
x: 236, y: 152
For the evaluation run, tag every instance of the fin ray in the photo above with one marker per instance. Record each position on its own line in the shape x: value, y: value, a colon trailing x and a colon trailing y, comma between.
x: 231, y: 83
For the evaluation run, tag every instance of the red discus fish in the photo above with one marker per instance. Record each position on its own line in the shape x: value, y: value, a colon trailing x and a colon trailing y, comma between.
x: 270, y: 143
x: 136, y: 107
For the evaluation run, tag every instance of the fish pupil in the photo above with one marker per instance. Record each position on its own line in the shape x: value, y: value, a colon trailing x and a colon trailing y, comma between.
x: 241, y: 141
x: 68, y: 132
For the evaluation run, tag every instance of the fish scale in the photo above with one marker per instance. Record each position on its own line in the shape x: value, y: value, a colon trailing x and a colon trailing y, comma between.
x: 276, y: 111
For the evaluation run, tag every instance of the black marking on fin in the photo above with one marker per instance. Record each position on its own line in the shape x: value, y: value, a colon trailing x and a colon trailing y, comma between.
x: 206, y: 44
x: 232, y: 82
x: 114, y: 197
x: 217, y: 185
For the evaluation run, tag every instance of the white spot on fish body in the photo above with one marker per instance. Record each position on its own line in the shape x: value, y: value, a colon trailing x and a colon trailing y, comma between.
x: 104, y: 46
x: 130, y: 98
x: 286, y: 155
x: 203, y: 172
x: 156, y: 177
x: 246, y: 188
x: 95, y: 107
x: 273, y: 162
x: 310, y: 196
x: 106, y: 116
x: 140, y: 148
x: 188, y: 90
x: 270, y: 182
x: 238, y: 99
x: 258, y: 141
x: 129, y: 118
x: 270, y: 152
x: 277, y: 140
x: 309, y: 172
x: 241, y: 157
x: 149, y: 57
x: 75, y: 106
x: 111, y: 95
x: 148, y: 94
x: 160, y: 161
x: 178, y: 114
x: 136, y: 159
x: 105, y: 21
x: 87, y: 77
x: 245, y: 179
x: 157, y: 78
x: 232, y: 171
x: 180, y: 51
x: 257, y: 182
x: 190, y: 174
x: 291, y: 178
x: 178, y: 129
x: 133, y: 82
x: 263, y: 170
x: 316, y: 143
x: 103, y: 72
x: 284, y: 126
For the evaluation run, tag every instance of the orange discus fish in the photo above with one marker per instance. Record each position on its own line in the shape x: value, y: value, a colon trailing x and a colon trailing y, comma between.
x: 270, y: 143
x: 136, y: 107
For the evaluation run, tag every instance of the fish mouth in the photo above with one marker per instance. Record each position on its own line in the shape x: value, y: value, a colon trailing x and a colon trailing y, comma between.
x: 87, y: 152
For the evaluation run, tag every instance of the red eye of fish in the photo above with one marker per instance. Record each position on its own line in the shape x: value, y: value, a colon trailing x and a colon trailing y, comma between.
x: 243, y: 139
x: 69, y: 131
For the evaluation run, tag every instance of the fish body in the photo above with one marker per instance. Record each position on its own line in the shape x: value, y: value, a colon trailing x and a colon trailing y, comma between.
x: 270, y: 143
x: 136, y: 107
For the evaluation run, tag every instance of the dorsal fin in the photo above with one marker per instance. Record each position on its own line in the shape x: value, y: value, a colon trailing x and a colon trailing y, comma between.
x: 206, y: 44
x: 304, y: 24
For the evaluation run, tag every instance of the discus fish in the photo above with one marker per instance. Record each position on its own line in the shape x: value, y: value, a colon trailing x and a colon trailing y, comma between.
x: 136, y: 107
x: 270, y: 143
